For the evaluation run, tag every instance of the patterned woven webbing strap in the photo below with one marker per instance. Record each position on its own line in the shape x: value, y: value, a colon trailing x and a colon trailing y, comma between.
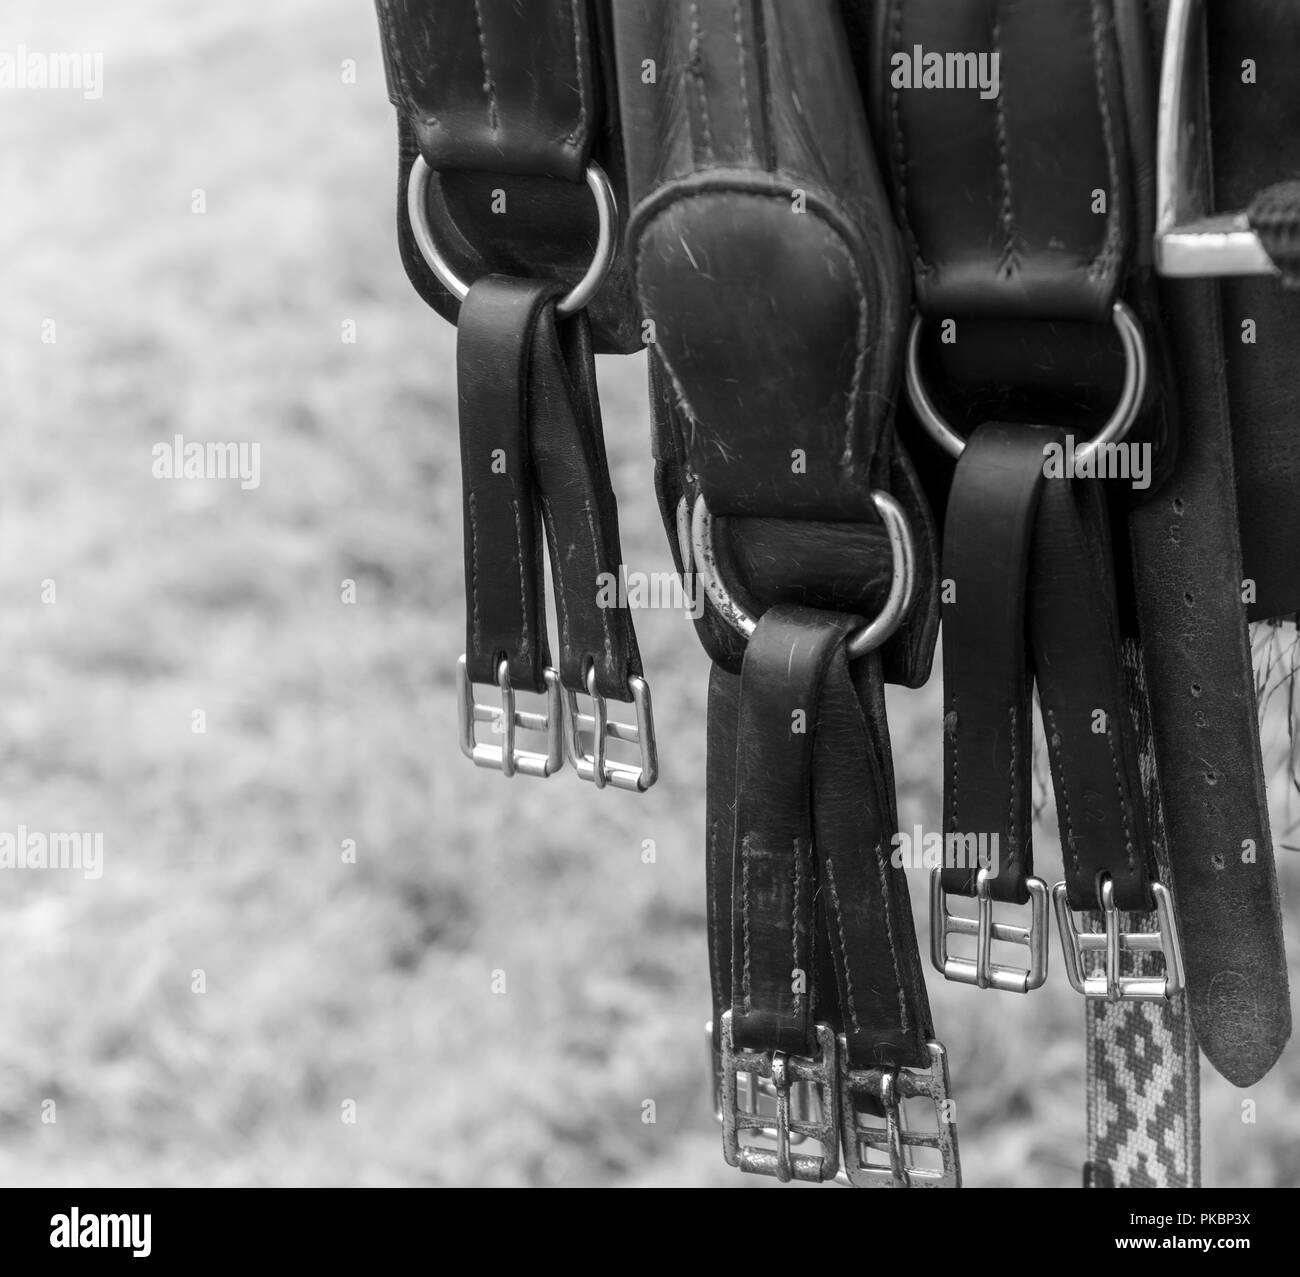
x: 1144, y: 1094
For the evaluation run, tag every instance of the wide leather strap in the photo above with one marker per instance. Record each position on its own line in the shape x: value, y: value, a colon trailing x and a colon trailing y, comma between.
x: 773, y: 874
x: 504, y: 580
x: 988, y: 722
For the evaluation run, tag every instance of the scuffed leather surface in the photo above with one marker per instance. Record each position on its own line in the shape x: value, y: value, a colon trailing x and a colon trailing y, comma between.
x: 763, y: 251
x: 1187, y: 571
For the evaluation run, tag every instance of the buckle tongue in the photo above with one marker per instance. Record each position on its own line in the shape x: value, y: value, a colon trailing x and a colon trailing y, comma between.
x: 889, y: 1087
x: 1108, y: 983
x: 506, y: 719
x: 785, y: 1073
x: 981, y: 970
x: 597, y: 766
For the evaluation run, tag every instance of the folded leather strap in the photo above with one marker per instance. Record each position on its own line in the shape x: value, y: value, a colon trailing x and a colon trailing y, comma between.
x: 988, y: 723
x: 504, y: 581
x: 530, y: 443
x: 1027, y: 563
x: 774, y: 875
x: 814, y: 818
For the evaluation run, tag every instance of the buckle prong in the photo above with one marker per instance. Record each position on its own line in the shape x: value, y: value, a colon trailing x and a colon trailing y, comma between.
x: 1113, y: 942
x: 508, y: 720
x: 787, y: 1074
x: 889, y: 1087
x: 982, y: 971
x: 597, y: 766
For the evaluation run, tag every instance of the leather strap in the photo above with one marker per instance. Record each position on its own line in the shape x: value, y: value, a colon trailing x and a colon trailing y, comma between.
x: 814, y: 817
x: 1088, y: 721
x: 532, y: 448
x: 504, y: 582
x: 774, y: 876
x: 988, y: 723
x: 494, y: 85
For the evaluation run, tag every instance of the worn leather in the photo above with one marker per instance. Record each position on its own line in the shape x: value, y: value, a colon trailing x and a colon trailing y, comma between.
x: 779, y: 383
x: 811, y: 884
x: 532, y: 457
x: 508, y: 103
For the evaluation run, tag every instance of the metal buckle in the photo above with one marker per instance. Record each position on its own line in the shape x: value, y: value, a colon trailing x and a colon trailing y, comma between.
x: 889, y: 1088
x: 982, y: 971
x: 1190, y: 240
x: 505, y: 719
x: 1110, y: 984
x: 757, y: 1095
x: 784, y: 1072
x: 597, y: 767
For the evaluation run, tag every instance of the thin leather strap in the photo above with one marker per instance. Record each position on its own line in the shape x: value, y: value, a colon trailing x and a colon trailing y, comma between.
x: 883, y: 1010
x: 988, y: 724
x: 578, y: 508
x: 774, y: 875
x: 504, y: 579
x: 1091, y: 745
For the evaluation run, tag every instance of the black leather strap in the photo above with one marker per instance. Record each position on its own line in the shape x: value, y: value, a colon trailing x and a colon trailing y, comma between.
x: 801, y: 779
x: 1088, y: 721
x: 532, y: 449
x: 578, y: 508
x: 504, y: 581
x: 774, y: 875
x: 988, y: 723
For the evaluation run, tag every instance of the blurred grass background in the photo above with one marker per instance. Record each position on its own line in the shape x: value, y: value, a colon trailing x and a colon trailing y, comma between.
x: 329, y: 982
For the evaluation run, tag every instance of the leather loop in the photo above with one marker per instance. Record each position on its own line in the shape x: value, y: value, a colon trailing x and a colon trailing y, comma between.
x: 504, y: 581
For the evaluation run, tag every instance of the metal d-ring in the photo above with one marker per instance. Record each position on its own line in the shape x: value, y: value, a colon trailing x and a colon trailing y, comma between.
x: 860, y: 642
x: 1116, y: 427
x: 417, y: 210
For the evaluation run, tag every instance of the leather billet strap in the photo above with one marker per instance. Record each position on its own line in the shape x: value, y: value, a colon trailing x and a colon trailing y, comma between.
x: 801, y: 817
x: 532, y: 458
x: 508, y: 103
x: 767, y: 264
x: 1029, y: 592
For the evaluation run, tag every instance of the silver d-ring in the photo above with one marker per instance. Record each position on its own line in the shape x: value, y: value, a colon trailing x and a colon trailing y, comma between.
x: 901, y: 588
x: 1116, y: 427
x: 417, y: 210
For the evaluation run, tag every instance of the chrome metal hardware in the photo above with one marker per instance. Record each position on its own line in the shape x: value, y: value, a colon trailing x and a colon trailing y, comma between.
x: 1109, y: 983
x: 981, y: 970
x: 507, y: 720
